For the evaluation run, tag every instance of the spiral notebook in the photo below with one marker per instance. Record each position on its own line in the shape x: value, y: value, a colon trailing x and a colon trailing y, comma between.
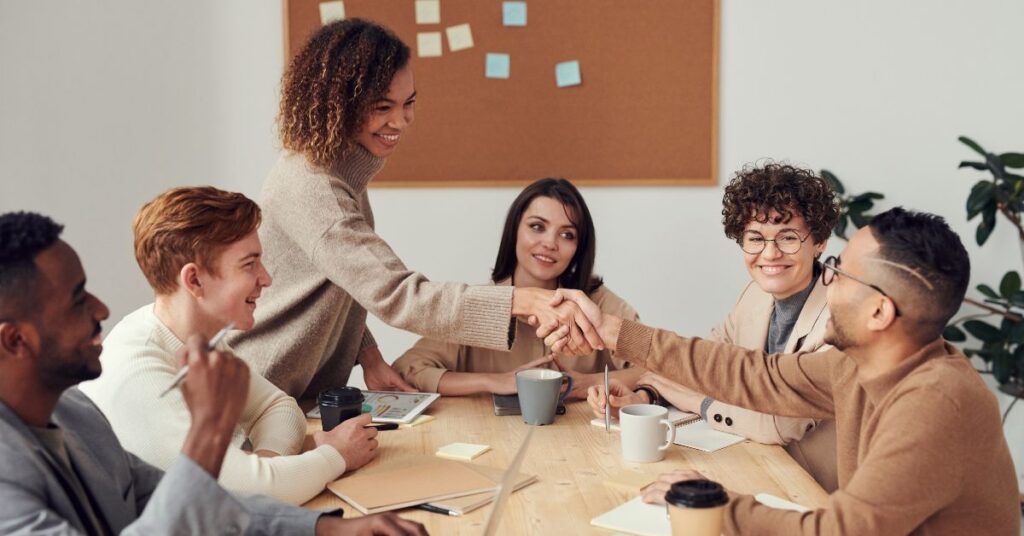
x: 691, y: 431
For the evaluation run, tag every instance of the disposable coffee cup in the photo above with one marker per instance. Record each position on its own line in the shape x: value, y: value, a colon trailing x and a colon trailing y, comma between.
x: 338, y: 404
x: 696, y: 507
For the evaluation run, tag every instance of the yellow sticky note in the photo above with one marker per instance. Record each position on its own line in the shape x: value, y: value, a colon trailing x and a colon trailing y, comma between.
x: 422, y: 419
x: 428, y: 11
x: 331, y: 11
x: 461, y: 451
x: 460, y: 37
x: 428, y: 44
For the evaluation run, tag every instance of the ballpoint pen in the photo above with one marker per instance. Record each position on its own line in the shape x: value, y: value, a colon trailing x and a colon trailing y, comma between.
x: 180, y: 376
x: 607, y: 403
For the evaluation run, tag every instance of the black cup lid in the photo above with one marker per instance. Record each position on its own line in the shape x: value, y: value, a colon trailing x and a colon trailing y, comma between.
x: 340, y: 396
x: 696, y: 494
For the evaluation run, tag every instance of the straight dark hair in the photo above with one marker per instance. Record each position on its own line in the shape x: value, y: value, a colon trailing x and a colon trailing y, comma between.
x: 580, y: 272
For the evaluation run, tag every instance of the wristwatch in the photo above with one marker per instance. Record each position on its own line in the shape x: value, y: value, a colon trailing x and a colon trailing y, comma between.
x: 652, y: 394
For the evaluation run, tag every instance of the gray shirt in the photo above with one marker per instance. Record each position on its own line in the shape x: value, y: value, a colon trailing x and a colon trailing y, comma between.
x: 784, y: 316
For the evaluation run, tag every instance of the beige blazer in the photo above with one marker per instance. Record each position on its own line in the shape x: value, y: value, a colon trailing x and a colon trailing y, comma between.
x: 811, y: 443
x: 425, y: 363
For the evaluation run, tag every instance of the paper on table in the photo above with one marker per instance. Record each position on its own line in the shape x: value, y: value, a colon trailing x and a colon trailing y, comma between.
x: 468, y: 503
x: 410, y: 484
x: 428, y: 12
x: 460, y: 37
x: 331, y: 11
x: 701, y: 436
x: 461, y: 451
x: 497, y: 65
x: 513, y: 13
x: 677, y: 416
x: 567, y: 74
x: 636, y: 517
x: 428, y: 44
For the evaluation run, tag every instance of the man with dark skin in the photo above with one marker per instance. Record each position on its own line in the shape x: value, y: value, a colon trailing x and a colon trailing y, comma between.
x: 62, y: 470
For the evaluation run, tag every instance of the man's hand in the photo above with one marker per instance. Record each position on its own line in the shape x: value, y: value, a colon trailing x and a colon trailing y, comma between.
x: 356, y: 443
x: 379, y: 375
x: 505, y: 383
x: 655, y: 493
x: 215, y: 391
x: 560, y: 339
x: 387, y: 524
x: 544, y: 312
x: 621, y: 396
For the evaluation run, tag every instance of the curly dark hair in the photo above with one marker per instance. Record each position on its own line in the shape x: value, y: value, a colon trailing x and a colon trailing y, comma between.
x: 332, y: 84
x: 757, y: 191
x: 23, y: 235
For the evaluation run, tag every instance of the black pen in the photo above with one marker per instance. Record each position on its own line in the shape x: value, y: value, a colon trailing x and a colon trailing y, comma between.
x: 382, y: 426
x: 437, y: 509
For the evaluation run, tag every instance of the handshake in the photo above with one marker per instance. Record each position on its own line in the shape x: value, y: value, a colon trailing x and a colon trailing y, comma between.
x: 568, y: 321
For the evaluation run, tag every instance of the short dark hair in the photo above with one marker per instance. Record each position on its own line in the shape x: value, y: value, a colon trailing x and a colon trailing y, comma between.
x: 758, y: 190
x: 22, y: 236
x: 580, y: 272
x: 925, y: 244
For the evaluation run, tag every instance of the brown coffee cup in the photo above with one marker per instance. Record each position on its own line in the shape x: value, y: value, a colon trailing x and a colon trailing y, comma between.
x: 696, y: 507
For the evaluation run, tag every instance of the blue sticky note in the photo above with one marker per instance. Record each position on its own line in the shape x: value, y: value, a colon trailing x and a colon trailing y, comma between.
x: 513, y: 13
x: 567, y: 74
x: 497, y: 65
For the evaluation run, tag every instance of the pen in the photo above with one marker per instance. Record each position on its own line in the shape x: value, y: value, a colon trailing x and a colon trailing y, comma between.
x: 180, y: 376
x: 607, y: 403
x: 382, y: 426
x: 437, y: 509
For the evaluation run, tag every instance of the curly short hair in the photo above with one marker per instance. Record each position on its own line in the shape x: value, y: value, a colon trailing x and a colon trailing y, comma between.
x: 189, y: 224
x: 23, y: 235
x: 755, y: 192
x: 332, y: 84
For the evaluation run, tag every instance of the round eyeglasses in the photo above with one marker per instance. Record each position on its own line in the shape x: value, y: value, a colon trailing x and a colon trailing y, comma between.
x: 787, y: 242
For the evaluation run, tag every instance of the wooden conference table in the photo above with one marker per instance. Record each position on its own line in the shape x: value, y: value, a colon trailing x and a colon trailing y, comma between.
x: 572, y: 460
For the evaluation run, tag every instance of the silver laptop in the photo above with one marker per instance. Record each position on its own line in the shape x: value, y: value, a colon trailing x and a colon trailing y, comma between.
x: 506, y: 486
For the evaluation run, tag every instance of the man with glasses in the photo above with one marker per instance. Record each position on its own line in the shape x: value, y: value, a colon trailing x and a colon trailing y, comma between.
x: 920, y: 443
x: 781, y: 217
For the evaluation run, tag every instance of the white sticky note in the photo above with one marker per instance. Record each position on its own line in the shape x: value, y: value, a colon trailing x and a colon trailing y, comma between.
x: 567, y: 74
x: 461, y: 451
x: 428, y: 44
x: 513, y: 13
x: 460, y: 37
x: 428, y: 11
x: 331, y: 11
x: 497, y: 65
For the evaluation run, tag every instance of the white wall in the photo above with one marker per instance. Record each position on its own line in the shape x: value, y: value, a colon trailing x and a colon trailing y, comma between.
x: 105, y: 104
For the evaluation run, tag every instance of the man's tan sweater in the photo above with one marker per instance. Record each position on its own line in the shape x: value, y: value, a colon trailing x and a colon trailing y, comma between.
x: 920, y: 448
x: 329, y: 268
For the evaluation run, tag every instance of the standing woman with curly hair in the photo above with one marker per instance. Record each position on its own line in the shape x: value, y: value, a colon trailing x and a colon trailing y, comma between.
x: 346, y: 100
x: 781, y: 217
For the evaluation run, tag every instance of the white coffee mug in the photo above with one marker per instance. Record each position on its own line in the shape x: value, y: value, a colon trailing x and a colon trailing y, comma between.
x: 644, y: 427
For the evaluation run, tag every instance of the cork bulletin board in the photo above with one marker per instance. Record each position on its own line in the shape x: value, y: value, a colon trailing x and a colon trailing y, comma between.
x: 645, y: 112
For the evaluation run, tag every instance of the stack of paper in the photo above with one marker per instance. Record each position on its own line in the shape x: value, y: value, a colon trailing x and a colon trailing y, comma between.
x: 410, y: 484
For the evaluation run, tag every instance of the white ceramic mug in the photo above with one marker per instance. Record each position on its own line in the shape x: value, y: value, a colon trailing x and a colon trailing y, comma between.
x: 644, y: 428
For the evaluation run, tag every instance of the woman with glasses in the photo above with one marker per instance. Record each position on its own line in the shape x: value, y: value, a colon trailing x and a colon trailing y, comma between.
x: 781, y: 217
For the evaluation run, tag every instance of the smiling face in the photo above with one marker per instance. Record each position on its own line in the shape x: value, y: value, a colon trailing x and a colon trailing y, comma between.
x: 546, y: 241
x: 69, y: 331
x: 779, y: 274
x: 231, y: 289
x: 390, y: 116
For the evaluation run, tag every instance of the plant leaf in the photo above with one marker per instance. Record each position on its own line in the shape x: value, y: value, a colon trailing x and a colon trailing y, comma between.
x: 1002, y: 366
x: 840, y: 229
x: 834, y: 181
x: 981, y: 195
x: 987, y: 291
x: 859, y: 219
x: 973, y: 145
x: 976, y: 165
x: 984, y: 230
x: 983, y: 331
x: 1017, y: 332
x: 954, y: 334
x: 1012, y: 160
x: 995, y: 166
x: 1017, y: 299
x: 1010, y: 284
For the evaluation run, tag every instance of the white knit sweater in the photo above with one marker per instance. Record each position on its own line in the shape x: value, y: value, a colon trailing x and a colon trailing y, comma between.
x: 139, y: 362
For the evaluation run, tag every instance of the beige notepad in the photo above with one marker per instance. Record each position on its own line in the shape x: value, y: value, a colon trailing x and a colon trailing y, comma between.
x: 422, y: 419
x: 410, y: 484
x: 468, y: 503
x: 461, y: 451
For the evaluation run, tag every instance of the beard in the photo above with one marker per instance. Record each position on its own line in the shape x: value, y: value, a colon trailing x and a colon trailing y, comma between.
x: 61, y: 368
x: 836, y: 335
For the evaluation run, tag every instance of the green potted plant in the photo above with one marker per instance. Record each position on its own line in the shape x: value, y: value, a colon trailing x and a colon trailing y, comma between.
x: 999, y: 327
x: 853, y: 209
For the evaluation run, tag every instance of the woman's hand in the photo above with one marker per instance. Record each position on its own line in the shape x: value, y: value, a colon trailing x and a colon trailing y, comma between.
x: 379, y: 375
x: 655, y: 492
x: 505, y: 383
x: 621, y: 396
x: 677, y: 395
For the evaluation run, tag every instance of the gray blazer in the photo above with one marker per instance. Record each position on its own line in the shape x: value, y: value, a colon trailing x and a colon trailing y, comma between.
x: 132, y: 496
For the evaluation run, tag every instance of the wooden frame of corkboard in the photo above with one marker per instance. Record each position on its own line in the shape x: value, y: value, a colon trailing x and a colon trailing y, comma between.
x: 645, y: 114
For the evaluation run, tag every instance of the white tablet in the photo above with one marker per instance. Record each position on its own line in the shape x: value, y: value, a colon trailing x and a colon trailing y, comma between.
x: 391, y: 406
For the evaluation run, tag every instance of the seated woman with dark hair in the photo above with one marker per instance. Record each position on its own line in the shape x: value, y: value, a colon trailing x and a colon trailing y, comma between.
x: 781, y: 216
x: 548, y: 242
